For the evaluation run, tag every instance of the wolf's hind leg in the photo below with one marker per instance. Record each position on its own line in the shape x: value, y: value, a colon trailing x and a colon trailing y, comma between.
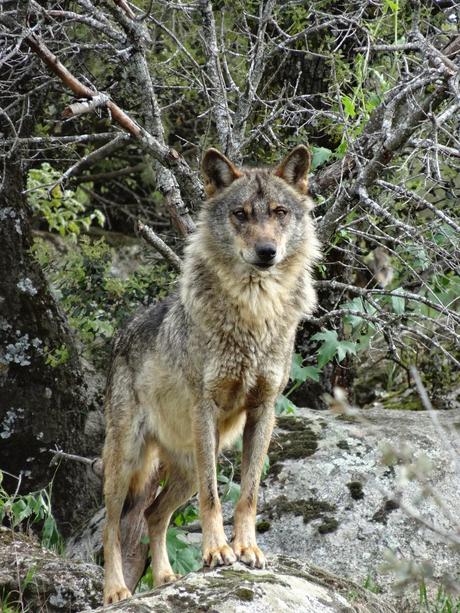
x: 117, y: 476
x: 179, y: 488
x: 127, y: 466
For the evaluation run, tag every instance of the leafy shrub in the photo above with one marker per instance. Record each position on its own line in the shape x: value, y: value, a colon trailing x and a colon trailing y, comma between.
x: 96, y: 301
x: 64, y: 210
x: 31, y: 509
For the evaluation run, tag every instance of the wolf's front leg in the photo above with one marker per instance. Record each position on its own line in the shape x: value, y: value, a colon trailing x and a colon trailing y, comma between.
x: 216, y: 551
x: 256, y: 439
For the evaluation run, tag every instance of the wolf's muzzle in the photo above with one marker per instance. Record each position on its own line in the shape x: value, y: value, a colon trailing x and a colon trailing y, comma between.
x: 266, y: 253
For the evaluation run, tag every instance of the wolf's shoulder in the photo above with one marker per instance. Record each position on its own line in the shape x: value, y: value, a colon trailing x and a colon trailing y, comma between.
x: 143, y: 327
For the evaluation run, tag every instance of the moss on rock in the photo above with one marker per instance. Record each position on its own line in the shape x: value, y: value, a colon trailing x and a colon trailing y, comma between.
x: 356, y: 490
x: 329, y: 524
x: 263, y: 526
x: 309, y: 509
x: 297, y: 439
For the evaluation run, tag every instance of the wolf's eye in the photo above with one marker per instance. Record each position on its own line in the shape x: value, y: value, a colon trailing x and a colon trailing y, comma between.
x: 240, y: 214
x: 279, y: 212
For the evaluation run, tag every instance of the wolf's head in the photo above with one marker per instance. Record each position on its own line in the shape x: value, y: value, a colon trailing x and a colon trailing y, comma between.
x: 258, y: 217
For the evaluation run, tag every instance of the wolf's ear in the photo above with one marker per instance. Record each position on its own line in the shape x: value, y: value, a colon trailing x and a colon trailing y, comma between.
x: 294, y: 168
x: 218, y: 171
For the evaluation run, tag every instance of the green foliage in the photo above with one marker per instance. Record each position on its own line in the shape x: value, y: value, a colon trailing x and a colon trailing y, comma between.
x: 320, y: 156
x: 95, y: 301
x: 12, y: 601
x: 31, y: 509
x: 441, y: 602
x: 186, y: 515
x: 183, y: 556
x: 298, y: 375
x: 371, y: 585
x: 332, y: 347
x: 64, y: 210
x: 57, y: 356
x: 232, y: 489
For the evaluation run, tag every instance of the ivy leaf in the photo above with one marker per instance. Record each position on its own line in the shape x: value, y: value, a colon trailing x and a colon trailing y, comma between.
x: 284, y: 406
x: 398, y: 303
x: 320, y: 155
x: 312, y: 372
x: 332, y: 346
x: 354, y: 305
x: 329, y: 347
x: 349, y: 106
x: 345, y: 347
x: 297, y: 370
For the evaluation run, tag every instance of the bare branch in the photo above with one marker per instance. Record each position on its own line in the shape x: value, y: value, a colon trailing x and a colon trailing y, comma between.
x: 92, y: 157
x: 217, y: 90
x: 167, y: 156
x: 85, y: 106
x: 95, y: 463
x: 159, y: 244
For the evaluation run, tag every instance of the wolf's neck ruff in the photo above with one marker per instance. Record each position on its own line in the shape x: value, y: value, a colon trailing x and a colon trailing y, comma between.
x: 255, y: 299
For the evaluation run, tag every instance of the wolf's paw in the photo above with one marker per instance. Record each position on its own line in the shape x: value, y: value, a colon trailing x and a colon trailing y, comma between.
x: 218, y: 556
x: 166, y: 577
x: 115, y: 593
x: 251, y: 555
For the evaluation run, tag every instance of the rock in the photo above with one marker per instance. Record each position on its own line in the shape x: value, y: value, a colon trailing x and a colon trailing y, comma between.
x: 35, y: 579
x: 336, y: 504
x: 329, y: 499
x: 286, y: 585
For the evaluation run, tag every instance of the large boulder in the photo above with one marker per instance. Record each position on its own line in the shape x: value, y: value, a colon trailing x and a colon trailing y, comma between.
x: 286, y: 585
x: 331, y: 500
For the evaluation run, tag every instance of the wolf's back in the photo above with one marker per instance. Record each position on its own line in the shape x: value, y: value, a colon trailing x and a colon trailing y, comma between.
x: 131, y: 344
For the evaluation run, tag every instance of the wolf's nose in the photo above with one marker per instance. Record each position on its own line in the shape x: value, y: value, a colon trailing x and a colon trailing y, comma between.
x: 265, y: 251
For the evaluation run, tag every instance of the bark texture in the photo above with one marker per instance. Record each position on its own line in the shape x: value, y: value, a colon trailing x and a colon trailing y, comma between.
x: 41, y: 405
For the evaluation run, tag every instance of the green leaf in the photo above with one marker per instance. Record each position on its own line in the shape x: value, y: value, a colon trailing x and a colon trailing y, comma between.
x: 297, y: 370
x: 100, y: 217
x: 232, y: 492
x: 284, y: 406
x: 332, y: 346
x: 398, y: 303
x: 183, y: 556
x: 393, y: 6
x: 20, y: 511
x: 328, y: 349
x: 354, y: 305
x: 349, y: 106
x: 299, y: 373
x: 312, y: 372
x: 320, y: 156
x: 345, y: 347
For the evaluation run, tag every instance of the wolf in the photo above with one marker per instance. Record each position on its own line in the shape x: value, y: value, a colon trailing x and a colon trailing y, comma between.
x: 194, y: 372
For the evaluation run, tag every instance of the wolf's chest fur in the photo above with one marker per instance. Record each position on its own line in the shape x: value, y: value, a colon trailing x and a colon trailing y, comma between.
x: 247, y: 330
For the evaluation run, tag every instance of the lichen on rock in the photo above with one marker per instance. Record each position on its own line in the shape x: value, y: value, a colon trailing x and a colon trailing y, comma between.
x: 285, y: 585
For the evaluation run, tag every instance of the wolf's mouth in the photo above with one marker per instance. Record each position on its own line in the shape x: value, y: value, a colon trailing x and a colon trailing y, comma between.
x: 263, y: 265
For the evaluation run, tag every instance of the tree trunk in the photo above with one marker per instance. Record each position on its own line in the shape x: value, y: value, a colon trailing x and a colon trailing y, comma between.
x: 43, y: 400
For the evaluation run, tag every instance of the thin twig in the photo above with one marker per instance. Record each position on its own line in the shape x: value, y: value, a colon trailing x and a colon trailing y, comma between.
x: 95, y: 464
x: 159, y: 244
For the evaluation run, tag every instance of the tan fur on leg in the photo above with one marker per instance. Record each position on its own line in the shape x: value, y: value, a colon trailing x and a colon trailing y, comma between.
x: 178, y: 489
x: 256, y: 438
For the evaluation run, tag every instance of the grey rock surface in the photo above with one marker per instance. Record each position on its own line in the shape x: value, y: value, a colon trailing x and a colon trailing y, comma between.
x: 333, y: 502
x: 35, y: 579
x: 286, y: 585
